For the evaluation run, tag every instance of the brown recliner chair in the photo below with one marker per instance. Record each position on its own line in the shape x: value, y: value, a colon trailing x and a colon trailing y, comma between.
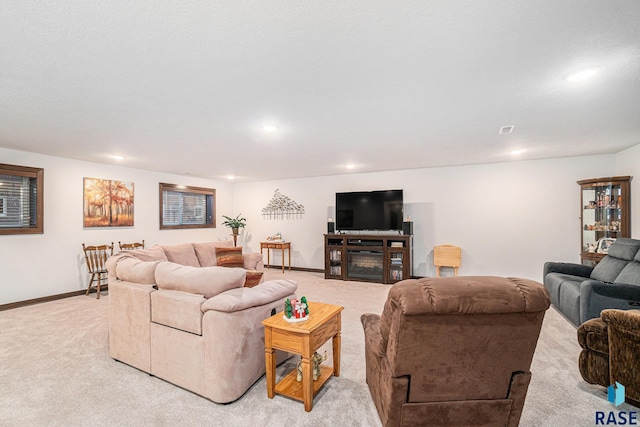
x: 611, y: 351
x: 454, y: 351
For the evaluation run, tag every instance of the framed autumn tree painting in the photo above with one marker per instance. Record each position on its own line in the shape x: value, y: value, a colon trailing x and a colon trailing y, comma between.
x: 108, y: 203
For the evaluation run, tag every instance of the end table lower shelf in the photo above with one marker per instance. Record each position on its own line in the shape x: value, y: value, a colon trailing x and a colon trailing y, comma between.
x: 290, y: 387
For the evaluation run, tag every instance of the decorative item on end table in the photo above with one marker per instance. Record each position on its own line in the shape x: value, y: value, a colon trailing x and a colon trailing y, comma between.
x: 296, y: 310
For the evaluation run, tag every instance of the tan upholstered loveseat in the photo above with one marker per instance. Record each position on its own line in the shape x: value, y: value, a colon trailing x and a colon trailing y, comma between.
x: 178, y: 317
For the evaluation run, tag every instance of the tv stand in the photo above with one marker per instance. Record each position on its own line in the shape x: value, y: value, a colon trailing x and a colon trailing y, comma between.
x: 372, y: 258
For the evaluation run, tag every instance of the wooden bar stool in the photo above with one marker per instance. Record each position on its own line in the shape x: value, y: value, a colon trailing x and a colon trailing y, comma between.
x: 447, y: 256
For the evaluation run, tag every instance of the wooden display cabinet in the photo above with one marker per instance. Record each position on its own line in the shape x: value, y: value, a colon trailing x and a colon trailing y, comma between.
x: 605, y: 215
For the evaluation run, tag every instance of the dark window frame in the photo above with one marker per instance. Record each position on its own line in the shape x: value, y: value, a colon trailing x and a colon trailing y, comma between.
x: 210, y: 192
x: 38, y: 175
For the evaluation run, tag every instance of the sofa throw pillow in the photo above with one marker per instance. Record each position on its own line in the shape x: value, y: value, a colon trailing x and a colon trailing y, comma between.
x: 253, y: 278
x: 206, y: 281
x: 229, y: 257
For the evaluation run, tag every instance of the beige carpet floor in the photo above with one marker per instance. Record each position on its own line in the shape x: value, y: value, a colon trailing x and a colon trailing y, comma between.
x: 55, y: 370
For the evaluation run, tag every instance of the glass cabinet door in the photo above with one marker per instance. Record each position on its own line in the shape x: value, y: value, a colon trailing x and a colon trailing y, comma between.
x: 605, y: 216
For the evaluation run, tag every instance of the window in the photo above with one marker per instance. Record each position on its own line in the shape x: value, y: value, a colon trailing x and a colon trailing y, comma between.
x: 21, y: 200
x: 187, y: 207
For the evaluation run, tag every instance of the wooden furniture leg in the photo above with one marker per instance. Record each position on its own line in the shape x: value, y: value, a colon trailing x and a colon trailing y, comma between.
x: 336, y: 341
x: 289, y: 258
x: 307, y: 383
x: 270, y: 364
x: 282, y: 254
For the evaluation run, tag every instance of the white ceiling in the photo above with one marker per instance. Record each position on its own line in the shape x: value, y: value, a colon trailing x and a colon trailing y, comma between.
x: 184, y: 86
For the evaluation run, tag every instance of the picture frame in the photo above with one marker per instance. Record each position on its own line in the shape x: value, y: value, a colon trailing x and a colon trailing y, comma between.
x: 107, y: 203
x: 604, y: 244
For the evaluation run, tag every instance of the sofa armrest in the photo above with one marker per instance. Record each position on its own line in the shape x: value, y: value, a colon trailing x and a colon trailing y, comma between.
x: 242, y: 298
x: 567, y: 268
x: 628, y: 320
x: 253, y: 261
x: 596, y: 296
x: 372, y: 335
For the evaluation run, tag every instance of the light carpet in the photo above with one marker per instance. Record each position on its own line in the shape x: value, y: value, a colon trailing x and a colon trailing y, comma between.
x: 55, y: 370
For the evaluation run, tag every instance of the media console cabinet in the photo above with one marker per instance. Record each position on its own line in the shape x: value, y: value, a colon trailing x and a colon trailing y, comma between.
x: 372, y: 258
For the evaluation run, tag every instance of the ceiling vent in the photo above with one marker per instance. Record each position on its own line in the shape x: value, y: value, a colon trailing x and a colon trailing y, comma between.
x: 506, y: 129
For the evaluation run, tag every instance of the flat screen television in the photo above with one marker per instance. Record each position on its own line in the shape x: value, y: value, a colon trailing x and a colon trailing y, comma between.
x: 369, y: 210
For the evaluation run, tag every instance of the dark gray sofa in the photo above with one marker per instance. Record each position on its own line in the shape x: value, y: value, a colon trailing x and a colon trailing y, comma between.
x: 581, y: 292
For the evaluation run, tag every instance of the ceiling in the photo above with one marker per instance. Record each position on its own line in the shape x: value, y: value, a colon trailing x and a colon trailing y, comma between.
x: 185, y: 86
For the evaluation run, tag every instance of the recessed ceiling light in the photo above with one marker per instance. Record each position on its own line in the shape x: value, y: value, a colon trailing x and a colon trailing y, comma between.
x: 582, y: 75
x: 117, y: 157
x: 231, y: 177
x: 350, y: 166
x: 517, y: 152
x: 270, y: 127
x: 506, y: 129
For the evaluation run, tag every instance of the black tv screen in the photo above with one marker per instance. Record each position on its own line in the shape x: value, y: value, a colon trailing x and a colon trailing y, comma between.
x: 369, y: 210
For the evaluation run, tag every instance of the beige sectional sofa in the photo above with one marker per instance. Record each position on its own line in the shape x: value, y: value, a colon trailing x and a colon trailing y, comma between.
x: 175, y: 314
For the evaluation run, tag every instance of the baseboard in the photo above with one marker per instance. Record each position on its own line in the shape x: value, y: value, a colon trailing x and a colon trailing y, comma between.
x: 310, y: 270
x: 25, y: 303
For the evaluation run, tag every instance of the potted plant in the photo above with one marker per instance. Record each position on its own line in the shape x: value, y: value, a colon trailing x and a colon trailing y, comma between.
x: 235, y: 224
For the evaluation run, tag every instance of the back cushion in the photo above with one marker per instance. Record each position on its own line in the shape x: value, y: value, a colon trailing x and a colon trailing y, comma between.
x: 206, y: 252
x: 624, y: 248
x: 229, y: 257
x: 136, y: 271
x: 206, y: 281
x: 154, y: 253
x: 182, y: 254
x: 630, y: 274
x: 608, y: 269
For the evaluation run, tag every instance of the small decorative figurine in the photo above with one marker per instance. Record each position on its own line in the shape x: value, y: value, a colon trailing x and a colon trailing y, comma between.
x: 296, y: 310
x: 316, y: 359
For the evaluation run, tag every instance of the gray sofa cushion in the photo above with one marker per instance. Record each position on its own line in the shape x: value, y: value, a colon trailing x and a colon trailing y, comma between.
x: 608, y: 269
x: 624, y: 248
x: 620, y: 253
x: 630, y: 274
x: 554, y: 281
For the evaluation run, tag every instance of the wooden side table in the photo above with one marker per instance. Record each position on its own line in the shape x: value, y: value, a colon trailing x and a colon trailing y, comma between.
x: 302, y: 338
x: 276, y: 245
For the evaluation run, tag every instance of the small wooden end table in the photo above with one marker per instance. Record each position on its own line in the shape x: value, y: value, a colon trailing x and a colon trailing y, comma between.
x: 276, y: 245
x: 302, y: 338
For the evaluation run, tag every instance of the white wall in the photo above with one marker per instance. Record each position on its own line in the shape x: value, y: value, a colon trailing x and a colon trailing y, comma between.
x: 509, y: 218
x: 39, y: 265
x: 628, y: 164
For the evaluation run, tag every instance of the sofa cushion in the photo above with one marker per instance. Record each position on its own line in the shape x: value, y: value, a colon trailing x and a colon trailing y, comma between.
x: 242, y: 298
x: 136, y: 271
x: 554, y: 281
x: 630, y: 274
x: 206, y: 251
x: 229, y: 257
x: 608, y: 269
x: 182, y: 254
x: 624, y: 248
x: 154, y: 253
x: 253, y: 278
x: 206, y: 281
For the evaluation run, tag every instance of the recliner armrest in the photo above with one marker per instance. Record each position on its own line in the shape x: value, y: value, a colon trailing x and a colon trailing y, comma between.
x: 372, y: 335
x: 253, y: 261
x: 614, y: 290
x: 242, y: 298
x: 567, y: 268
